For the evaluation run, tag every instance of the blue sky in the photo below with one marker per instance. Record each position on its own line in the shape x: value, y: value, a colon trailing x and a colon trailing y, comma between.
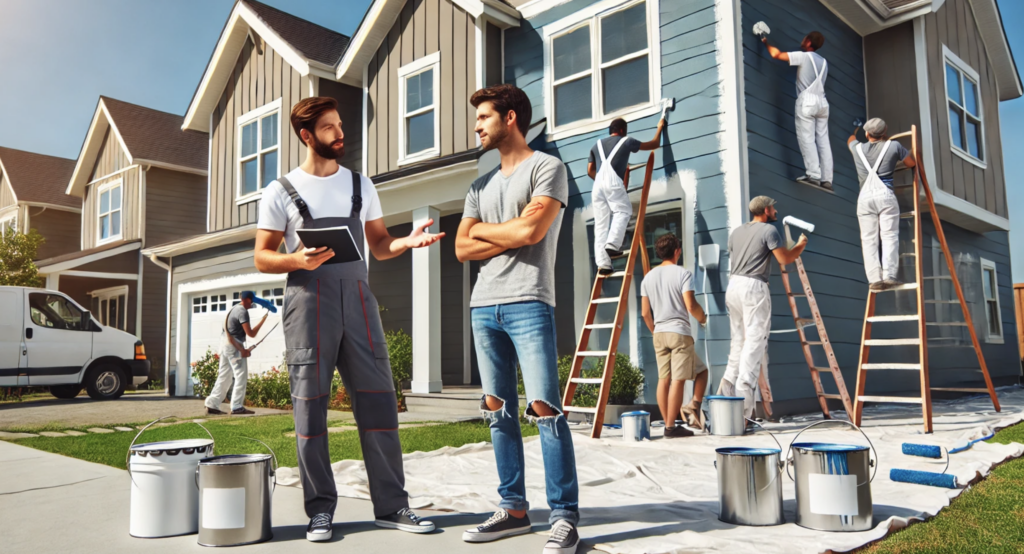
x: 58, y: 56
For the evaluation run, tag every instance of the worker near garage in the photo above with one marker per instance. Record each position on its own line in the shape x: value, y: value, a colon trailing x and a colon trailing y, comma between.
x: 233, y: 358
x: 811, y: 109
x: 748, y: 300
x: 331, y: 318
x: 607, y: 165
x: 878, y: 212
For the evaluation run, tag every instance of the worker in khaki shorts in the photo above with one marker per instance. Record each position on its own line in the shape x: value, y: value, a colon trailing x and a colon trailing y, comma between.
x: 668, y: 302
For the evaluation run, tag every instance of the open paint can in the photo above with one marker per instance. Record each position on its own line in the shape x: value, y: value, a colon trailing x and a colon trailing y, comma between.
x: 726, y: 415
x: 235, y: 494
x: 636, y: 426
x: 750, y: 485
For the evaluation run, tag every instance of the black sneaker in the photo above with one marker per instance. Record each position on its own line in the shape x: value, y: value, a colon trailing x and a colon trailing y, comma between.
x: 563, y: 540
x: 614, y: 252
x: 498, y: 526
x: 827, y: 185
x: 213, y: 411
x: 605, y: 270
x: 808, y: 180
x: 891, y: 284
x: 320, y: 528
x: 877, y: 286
x: 677, y: 432
x: 405, y: 520
x: 242, y: 411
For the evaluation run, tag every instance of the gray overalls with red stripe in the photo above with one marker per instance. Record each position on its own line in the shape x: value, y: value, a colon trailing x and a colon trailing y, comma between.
x: 331, y: 320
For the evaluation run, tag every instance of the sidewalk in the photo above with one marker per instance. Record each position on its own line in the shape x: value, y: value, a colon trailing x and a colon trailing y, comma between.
x: 50, y: 504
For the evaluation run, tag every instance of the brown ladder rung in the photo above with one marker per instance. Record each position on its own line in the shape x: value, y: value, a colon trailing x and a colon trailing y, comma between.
x: 813, y: 342
x: 947, y: 324
x: 612, y: 275
x: 611, y: 300
x: 588, y: 380
x: 891, y: 318
x: 893, y: 399
x: 592, y: 354
x: 915, y: 367
x: 832, y: 396
x: 908, y: 255
x: 600, y: 326
x: 579, y: 409
x: 941, y: 301
x: 904, y: 286
x: 938, y: 278
x: 945, y: 389
x: 893, y: 342
x: 907, y: 215
x: 805, y: 322
x: 800, y: 295
x: 625, y: 254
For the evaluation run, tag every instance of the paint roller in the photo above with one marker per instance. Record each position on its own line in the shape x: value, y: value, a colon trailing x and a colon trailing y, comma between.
x: 666, y: 105
x: 805, y: 226
x: 761, y: 29
x: 933, y: 451
x: 929, y: 478
x: 266, y: 304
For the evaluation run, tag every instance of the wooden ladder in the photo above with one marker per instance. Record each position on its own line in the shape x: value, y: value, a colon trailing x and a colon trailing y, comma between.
x: 819, y: 323
x: 921, y: 341
x: 637, y: 247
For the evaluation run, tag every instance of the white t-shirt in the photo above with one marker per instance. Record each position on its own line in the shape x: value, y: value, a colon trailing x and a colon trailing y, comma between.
x: 329, y: 196
x: 805, y: 73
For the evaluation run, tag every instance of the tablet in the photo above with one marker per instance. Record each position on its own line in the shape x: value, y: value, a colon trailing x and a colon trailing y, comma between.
x: 338, y: 239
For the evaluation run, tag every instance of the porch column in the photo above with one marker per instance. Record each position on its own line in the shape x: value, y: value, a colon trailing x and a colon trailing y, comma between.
x: 53, y: 281
x: 426, y: 308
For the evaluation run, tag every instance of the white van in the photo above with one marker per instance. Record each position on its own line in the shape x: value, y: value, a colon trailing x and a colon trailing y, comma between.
x: 47, y: 339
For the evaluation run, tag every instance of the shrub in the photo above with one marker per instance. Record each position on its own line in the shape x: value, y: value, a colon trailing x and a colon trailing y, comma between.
x: 400, y: 354
x: 627, y: 381
x: 272, y: 389
x: 204, y: 373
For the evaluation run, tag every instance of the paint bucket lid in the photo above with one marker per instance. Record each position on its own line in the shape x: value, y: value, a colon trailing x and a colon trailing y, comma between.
x: 635, y: 414
x: 173, y: 448
x: 234, y: 459
x: 828, y: 447
x: 729, y: 398
x: 742, y: 451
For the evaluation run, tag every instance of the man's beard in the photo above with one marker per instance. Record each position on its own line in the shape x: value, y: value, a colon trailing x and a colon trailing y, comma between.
x: 773, y: 218
x: 496, y: 138
x: 327, y: 151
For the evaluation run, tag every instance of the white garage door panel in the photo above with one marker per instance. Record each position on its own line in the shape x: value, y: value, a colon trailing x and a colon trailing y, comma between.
x: 207, y: 328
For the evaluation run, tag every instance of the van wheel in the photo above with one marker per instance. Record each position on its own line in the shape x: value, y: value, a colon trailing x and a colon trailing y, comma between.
x: 105, y: 382
x: 65, y: 391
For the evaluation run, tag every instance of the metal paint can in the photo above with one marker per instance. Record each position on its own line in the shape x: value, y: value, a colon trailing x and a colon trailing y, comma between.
x: 726, y: 415
x: 750, y: 486
x: 164, y: 498
x: 636, y: 426
x: 235, y: 494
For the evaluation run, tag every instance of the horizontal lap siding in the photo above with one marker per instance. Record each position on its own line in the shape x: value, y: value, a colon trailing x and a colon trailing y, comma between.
x: 174, y: 205
x: 391, y: 281
x: 61, y: 229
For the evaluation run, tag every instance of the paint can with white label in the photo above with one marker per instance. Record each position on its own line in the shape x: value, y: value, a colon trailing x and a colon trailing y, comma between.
x: 234, y: 499
x: 833, y: 483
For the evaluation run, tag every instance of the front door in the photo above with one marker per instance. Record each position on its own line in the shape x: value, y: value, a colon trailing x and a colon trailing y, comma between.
x: 11, y: 333
x: 58, y: 346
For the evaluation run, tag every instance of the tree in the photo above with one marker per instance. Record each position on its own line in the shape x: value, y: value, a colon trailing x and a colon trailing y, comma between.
x: 17, y: 250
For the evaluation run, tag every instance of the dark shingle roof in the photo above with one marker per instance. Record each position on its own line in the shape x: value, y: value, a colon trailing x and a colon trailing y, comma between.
x: 157, y: 136
x: 39, y: 178
x: 315, y: 42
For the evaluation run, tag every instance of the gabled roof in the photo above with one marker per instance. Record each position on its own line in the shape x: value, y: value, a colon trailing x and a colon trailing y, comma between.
x: 306, y: 46
x: 148, y: 137
x: 38, y: 178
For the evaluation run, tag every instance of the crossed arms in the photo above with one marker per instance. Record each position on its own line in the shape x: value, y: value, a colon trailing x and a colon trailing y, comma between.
x: 477, y: 240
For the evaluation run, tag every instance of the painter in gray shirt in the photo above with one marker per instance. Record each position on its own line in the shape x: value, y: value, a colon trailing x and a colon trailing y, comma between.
x: 521, y: 274
x: 665, y: 286
x: 750, y: 249
x: 235, y: 319
x: 892, y: 156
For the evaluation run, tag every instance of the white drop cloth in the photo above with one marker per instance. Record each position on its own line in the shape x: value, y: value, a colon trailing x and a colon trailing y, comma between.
x: 662, y: 495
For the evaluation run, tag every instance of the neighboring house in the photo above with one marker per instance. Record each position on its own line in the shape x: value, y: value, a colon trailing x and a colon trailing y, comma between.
x: 140, y: 180
x: 264, y: 62
x: 32, y: 197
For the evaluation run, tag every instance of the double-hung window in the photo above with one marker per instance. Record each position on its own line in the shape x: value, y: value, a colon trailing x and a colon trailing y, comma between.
x: 113, y: 306
x: 990, y: 289
x: 602, y: 63
x: 259, y: 137
x: 418, y: 130
x: 109, y: 211
x: 963, y: 96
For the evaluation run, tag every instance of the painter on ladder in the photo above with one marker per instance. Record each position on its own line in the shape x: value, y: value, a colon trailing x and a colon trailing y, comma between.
x: 668, y: 301
x: 331, y: 318
x: 878, y: 212
x: 812, y: 109
x: 748, y: 299
x: 233, y: 358
x: 607, y: 165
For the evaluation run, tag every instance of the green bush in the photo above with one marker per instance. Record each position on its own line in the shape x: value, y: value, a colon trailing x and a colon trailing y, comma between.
x: 272, y: 389
x: 400, y: 354
x: 627, y: 381
x: 204, y: 373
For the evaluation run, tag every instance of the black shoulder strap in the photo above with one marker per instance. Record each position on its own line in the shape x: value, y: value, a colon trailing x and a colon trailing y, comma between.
x: 357, y: 194
x: 297, y: 200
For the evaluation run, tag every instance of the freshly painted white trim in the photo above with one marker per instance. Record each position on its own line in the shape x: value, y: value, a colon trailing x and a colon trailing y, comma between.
x: 62, y: 267
x: 118, y: 183
x: 109, y: 292
x: 3, y: 172
x: 90, y: 148
x: 989, y: 337
x: 172, y: 167
x: 109, y: 175
x: 988, y: 221
x: 51, y: 207
x: 533, y: 8
x: 202, y: 242
x: 138, y: 303
x: 479, y: 31
x: 445, y: 172
x: 734, y: 113
x: 366, y: 125
x: 378, y: 20
x: 431, y: 62
x: 924, y: 94
x: 101, y: 275
x: 142, y: 204
x: 951, y: 58
x: 209, y: 180
x: 167, y: 323
x: 501, y: 14
x: 997, y: 48
x: 426, y: 308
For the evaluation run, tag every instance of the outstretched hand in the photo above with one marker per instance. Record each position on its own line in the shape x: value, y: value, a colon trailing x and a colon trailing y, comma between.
x: 419, y: 238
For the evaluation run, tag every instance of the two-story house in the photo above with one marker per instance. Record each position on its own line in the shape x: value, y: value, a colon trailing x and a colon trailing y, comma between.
x: 139, y: 180
x: 32, y: 197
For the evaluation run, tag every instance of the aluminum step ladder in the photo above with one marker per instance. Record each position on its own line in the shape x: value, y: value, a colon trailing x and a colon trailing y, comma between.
x: 921, y: 341
x: 637, y: 248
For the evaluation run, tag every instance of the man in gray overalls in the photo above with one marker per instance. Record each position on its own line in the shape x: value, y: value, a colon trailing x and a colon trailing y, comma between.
x: 331, y: 318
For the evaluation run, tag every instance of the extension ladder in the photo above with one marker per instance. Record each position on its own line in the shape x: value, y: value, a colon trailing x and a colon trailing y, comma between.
x: 921, y: 341
x: 621, y: 302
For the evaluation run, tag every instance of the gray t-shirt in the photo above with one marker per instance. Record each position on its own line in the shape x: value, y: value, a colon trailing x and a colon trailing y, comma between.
x: 521, y: 274
x: 750, y: 249
x: 805, y: 63
x: 236, y: 317
x: 664, y: 286
x: 621, y: 160
x: 893, y: 155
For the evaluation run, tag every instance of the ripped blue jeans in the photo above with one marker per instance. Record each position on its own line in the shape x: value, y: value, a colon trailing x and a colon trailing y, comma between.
x: 524, y: 332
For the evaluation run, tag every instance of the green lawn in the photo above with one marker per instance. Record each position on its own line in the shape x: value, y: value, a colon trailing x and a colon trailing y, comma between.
x: 110, y: 449
x: 988, y: 518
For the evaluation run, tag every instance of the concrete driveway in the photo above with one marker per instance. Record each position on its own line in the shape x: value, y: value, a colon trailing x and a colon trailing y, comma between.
x: 88, y: 505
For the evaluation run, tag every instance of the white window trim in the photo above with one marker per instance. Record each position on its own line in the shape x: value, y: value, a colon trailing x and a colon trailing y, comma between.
x: 5, y: 222
x: 432, y: 61
x: 100, y: 189
x: 107, y: 294
x: 592, y: 15
x: 951, y: 58
x: 244, y: 120
x: 990, y: 338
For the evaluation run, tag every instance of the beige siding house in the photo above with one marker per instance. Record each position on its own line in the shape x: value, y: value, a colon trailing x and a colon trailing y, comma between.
x: 139, y: 179
x: 32, y: 197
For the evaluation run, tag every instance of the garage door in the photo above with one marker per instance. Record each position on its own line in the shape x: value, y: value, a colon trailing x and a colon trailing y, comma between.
x: 208, y: 311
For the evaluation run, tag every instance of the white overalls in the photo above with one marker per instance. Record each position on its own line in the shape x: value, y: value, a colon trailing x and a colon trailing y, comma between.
x: 812, y: 126
x: 612, y: 208
x: 878, y: 213
x: 232, y: 366
x: 748, y: 302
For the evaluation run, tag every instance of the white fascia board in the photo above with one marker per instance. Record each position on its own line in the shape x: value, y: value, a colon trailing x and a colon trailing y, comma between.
x: 71, y: 264
x: 375, y: 26
x: 990, y: 25
x: 536, y: 7
x: 51, y: 207
x: 90, y: 148
x: 3, y: 171
x: 967, y: 215
x: 500, y: 14
x: 172, y: 167
x: 202, y: 242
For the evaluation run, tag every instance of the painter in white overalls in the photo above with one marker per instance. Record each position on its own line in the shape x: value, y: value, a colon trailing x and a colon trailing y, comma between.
x: 612, y: 208
x: 812, y: 115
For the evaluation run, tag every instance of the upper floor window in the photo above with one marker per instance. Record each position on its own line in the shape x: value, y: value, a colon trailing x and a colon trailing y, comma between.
x: 990, y: 289
x: 9, y: 224
x: 602, y: 63
x: 418, y: 130
x: 109, y: 211
x: 963, y: 94
x: 259, y: 137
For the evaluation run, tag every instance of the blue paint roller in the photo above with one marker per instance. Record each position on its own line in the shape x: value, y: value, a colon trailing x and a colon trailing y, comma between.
x: 266, y: 304
x: 929, y: 478
x: 932, y: 451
